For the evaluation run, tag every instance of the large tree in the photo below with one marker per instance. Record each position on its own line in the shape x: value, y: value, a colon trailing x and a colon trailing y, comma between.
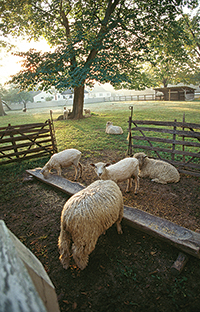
x: 177, y: 59
x: 102, y: 40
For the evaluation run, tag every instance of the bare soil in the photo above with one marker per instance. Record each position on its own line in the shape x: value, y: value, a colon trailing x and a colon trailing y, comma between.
x: 129, y: 272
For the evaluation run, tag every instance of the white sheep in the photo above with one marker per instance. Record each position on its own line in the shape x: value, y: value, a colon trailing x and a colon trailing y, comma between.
x: 158, y: 170
x: 87, y: 111
x: 87, y: 215
x: 124, y: 169
x: 64, y: 159
x: 65, y: 113
x: 110, y: 129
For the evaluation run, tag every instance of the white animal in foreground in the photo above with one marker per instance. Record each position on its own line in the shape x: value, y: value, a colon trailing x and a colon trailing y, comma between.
x: 65, y: 113
x: 64, y: 159
x: 158, y: 170
x: 125, y: 169
x: 110, y: 129
x: 87, y: 111
x: 87, y: 215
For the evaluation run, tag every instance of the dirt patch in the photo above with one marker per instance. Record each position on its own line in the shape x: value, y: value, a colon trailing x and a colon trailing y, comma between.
x: 129, y: 272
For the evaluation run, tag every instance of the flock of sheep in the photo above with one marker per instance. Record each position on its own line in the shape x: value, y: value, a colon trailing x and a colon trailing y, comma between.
x: 90, y: 212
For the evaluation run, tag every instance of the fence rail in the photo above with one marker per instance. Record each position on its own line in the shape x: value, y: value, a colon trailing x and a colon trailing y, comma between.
x: 27, y: 141
x: 175, y: 142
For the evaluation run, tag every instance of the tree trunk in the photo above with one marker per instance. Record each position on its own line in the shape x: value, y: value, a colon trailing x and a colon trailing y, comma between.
x: 2, y: 113
x: 78, y: 102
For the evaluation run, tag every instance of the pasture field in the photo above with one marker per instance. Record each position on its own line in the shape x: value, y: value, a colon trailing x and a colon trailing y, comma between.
x: 125, y: 273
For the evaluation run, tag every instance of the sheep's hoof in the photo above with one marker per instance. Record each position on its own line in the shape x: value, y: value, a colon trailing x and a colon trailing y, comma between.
x: 127, y: 191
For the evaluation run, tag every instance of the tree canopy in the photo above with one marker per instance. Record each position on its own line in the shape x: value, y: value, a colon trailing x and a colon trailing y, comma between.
x: 103, y: 40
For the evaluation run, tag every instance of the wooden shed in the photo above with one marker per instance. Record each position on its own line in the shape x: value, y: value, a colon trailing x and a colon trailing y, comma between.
x: 181, y: 93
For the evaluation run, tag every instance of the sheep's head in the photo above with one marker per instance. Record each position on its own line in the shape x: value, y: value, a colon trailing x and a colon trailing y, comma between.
x: 109, y: 123
x: 45, y: 171
x: 100, y: 168
x: 141, y: 157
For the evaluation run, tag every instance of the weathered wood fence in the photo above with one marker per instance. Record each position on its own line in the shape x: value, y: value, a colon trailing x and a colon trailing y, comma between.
x: 175, y: 142
x: 27, y: 141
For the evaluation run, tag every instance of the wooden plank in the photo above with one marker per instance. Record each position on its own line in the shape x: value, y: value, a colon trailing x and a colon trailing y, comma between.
x: 59, y: 182
x: 162, y: 130
x: 180, y: 237
x: 167, y: 141
x: 24, y: 283
x: 166, y: 150
x: 168, y: 123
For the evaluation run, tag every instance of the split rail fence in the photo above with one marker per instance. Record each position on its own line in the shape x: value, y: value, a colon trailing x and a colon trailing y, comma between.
x: 175, y: 142
x: 27, y: 141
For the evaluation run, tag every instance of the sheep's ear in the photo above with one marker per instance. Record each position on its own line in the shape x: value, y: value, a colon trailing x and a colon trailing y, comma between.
x: 107, y: 164
x: 145, y: 156
x: 93, y: 165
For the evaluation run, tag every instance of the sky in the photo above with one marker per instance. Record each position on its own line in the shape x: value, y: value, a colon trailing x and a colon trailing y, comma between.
x: 10, y: 64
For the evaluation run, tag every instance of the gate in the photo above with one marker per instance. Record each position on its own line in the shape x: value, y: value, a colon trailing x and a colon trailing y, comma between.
x: 27, y: 141
x: 175, y: 142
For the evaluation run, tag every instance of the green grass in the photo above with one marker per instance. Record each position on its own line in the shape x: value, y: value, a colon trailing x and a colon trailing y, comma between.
x: 88, y: 134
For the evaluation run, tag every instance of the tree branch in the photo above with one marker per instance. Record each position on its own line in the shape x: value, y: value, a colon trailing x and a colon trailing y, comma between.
x: 110, y: 9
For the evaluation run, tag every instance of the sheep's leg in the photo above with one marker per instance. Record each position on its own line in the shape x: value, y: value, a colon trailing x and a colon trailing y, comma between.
x: 129, y: 185
x: 81, y: 169
x: 119, y: 228
x: 64, y: 244
x: 58, y: 169
x: 137, y: 181
x: 78, y: 173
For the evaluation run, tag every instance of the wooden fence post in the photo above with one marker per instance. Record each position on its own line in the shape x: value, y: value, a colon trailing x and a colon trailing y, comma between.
x: 174, y: 138
x: 183, y: 137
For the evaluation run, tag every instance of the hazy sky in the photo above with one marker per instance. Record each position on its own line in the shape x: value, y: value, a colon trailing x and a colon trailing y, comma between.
x: 10, y: 64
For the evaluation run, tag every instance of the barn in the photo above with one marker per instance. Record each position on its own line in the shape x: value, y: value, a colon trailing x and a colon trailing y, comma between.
x: 182, y: 93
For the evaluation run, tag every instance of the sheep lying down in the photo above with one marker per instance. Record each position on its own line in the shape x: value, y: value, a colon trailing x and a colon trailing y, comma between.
x: 64, y: 159
x: 110, y: 129
x: 158, y: 170
x: 85, y: 216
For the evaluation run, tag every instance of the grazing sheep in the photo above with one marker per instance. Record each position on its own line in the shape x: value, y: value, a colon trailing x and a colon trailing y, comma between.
x: 87, y: 111
x: 110, y: 129
x: 65, y: 113
x: 157, y: 170
x: 124, y: 169
x: 64, y: 159
x: 87, y: 215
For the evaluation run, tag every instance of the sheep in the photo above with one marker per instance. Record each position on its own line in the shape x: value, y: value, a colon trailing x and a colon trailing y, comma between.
x: 85, y: 216
x: 124, y: 169
x: 65, y: 113
x: 110, y: 129
x: 157, y: 170
x: 64, y: 159
x: 87, y: 111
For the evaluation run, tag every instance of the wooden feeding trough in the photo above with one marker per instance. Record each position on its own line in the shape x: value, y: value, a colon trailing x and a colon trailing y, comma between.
x: 184, y: 239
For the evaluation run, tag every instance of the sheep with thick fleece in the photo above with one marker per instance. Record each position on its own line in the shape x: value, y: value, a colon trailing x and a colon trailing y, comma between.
x: 110, y: 129
x: 87, y: 215
x: 158, y: 170
x: 64, y: 159
x: 125, y: 169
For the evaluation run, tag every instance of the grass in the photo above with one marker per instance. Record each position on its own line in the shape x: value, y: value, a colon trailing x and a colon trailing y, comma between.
x: 88, y: 134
